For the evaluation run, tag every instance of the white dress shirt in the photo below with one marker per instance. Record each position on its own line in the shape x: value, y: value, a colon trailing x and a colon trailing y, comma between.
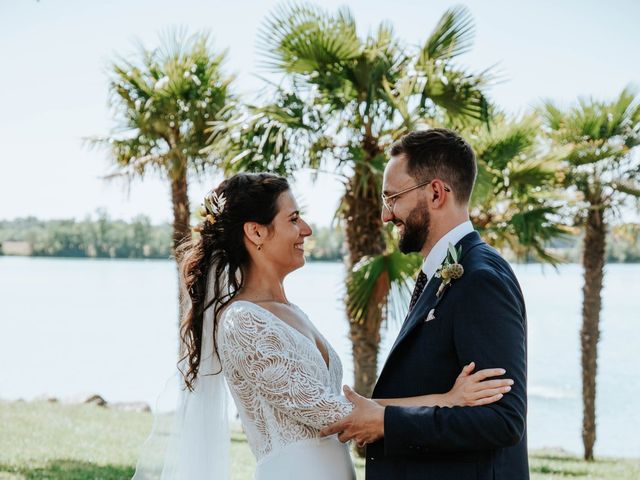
x: 439, y: 251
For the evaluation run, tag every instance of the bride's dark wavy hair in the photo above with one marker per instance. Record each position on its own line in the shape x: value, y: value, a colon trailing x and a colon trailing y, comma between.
x: 250, y: 197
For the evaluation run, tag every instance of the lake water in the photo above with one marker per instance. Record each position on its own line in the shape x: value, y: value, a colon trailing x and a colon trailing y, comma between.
x: 109, y: 327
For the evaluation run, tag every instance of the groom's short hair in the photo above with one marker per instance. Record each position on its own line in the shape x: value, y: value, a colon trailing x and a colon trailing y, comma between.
x: 439, y: 153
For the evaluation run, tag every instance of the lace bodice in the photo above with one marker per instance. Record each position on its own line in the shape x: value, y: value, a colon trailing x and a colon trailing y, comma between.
x: 279, y: 381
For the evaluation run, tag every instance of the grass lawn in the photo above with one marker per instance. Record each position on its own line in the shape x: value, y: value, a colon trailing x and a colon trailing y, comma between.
x: 50, y: 441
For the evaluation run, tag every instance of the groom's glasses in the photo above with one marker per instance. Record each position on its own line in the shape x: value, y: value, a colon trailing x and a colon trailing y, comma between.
x: 389, y: 201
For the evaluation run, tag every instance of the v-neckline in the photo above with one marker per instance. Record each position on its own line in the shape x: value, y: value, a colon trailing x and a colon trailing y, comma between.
x: 327, y: 364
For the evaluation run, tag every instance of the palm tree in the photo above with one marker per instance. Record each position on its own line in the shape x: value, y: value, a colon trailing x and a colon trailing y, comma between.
x: 515, y: 204
x: 604, y: 173
x: 163, y: 100
x: 342, y: 102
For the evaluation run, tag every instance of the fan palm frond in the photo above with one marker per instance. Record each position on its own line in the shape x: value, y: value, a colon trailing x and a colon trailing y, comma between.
x: 452, y: 36
x: 381, y: 281
x: 303, y: 39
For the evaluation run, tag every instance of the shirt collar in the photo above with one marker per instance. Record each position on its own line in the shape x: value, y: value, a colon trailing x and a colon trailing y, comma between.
x: 439, y: 251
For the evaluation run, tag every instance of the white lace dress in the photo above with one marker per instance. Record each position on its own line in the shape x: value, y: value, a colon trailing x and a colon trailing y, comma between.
x: 284, y: 394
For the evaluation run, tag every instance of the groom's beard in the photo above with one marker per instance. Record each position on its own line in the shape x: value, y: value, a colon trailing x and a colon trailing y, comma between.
x: 416, y: 230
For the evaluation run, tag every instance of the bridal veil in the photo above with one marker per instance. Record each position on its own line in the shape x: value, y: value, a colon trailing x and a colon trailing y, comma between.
x: 190, y: 439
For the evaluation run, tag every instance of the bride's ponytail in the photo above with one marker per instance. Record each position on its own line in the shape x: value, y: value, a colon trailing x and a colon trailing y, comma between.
x: 220, y: 244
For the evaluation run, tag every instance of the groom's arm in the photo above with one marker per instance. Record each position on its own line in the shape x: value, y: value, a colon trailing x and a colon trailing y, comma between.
x: 489, y: 329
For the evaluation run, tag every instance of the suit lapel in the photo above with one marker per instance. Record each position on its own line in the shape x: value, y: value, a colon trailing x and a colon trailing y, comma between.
x: 428, y: 299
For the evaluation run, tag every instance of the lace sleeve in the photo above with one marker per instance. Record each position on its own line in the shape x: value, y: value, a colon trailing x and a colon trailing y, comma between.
x: 287, y: 376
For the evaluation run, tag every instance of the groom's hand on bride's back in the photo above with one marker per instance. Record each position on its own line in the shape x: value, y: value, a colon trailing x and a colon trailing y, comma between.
x: 365, y: 423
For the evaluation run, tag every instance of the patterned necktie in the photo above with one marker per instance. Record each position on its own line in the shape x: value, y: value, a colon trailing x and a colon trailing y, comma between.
x: 421, y: 281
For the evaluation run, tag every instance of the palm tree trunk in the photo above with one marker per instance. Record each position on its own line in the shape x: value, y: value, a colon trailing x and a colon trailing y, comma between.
x: 181, y: 214
x: 181, y: 227
x: 593, y: 261
x: 364, y: 237
x: 365, y: 339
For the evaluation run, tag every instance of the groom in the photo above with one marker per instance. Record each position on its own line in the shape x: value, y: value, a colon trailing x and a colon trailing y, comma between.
x: 476, y: 317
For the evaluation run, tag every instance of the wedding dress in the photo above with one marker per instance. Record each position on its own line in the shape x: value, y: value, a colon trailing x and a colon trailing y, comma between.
x: 285, y: 393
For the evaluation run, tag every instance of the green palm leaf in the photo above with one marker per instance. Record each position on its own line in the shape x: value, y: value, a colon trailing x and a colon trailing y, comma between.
x: 381, y: 281
x: 516, y: 206
x: 452, y: 36
x: 596, y: 130
x: 458, y: 93
x: 303, y: 39
x: 280, y: 137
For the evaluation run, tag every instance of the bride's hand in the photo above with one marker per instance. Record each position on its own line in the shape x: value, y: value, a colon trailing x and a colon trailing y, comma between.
x: 472, y: 390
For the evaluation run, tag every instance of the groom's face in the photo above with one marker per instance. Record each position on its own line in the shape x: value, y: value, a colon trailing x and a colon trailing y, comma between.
x: 409, y: 212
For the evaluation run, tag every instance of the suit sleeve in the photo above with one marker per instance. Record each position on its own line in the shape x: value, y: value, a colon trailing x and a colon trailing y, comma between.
x: 489, y: 328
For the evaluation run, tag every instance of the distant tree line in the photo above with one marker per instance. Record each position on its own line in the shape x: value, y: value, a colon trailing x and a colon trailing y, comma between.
x: 98, y: 237
x: 623, y: 245
x: 103, y: 237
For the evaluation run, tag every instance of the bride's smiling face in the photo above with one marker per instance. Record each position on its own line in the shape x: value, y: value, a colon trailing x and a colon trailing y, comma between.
x: 283, y: 248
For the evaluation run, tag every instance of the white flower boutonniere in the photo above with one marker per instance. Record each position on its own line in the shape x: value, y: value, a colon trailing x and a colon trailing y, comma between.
x: 450, y: 269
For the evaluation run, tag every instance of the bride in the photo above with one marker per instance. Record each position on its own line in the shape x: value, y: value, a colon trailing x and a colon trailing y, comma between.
x: 284, y: 377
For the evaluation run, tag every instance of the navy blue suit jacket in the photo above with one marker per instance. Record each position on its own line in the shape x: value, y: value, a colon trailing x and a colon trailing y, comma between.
x: 481, y: 318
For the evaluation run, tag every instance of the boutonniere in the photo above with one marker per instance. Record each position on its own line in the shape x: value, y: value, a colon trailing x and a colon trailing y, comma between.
x: 450, y: 269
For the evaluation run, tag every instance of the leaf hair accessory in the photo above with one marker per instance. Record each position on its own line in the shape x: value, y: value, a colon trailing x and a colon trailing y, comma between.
x: 214, y: 205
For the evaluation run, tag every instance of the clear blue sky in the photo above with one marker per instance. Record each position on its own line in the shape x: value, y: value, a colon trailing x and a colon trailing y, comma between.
x: 53, y: 85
